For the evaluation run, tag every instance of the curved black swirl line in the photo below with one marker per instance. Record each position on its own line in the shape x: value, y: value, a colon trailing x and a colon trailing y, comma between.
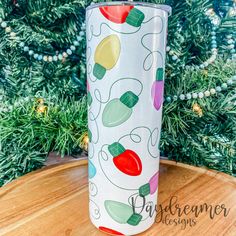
x: 96, y: 212
x: 92, y: 34
x: 131, y: 137
x: 151, y: 53
x: 151, y: 141
x: 93, y: 189
x: 95, y: 120
x: 157, y: 16
x: 91, y: 151
x: 109, y: 94
x: 102, y: 152
x: 89, y: 72
x: 89, y: 65
x: 94, y: 117
x: 99, y: 110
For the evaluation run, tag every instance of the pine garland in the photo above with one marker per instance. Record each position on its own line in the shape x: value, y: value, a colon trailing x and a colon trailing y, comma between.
x: 33, y: 127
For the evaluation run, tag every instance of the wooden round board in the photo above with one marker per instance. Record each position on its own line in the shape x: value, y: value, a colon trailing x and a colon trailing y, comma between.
x: 53, y: 201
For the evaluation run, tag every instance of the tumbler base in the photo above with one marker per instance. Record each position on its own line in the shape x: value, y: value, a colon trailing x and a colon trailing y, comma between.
x: 109, y: 231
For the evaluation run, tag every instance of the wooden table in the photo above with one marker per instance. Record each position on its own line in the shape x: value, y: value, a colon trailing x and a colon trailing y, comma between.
x: 54, y: 201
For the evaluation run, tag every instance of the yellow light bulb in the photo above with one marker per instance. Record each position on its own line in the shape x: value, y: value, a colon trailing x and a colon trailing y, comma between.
x: 106, y: 55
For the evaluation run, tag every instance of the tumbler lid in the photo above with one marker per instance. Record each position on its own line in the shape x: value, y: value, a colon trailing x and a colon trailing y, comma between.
x: 166, y: 8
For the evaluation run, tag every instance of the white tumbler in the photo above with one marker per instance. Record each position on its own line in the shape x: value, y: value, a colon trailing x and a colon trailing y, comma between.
x: 126, y: 47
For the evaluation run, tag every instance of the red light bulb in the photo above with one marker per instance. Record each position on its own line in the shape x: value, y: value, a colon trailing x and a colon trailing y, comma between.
x: 122, y: 14
x: 109, y: 231
x: 116, y: 14
x: 127, y: 161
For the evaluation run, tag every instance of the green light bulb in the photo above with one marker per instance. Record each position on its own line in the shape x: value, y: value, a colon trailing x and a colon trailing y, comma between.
x: 122, y: 213
x: 89, y: 98
x: 89, y: 135
x: 117, y: 111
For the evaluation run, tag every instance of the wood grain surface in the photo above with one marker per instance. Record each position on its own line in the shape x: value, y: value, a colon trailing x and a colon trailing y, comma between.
x: 54, y: 202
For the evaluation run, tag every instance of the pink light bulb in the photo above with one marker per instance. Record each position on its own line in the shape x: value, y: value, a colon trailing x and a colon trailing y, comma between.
x: 157, y: 91
x: 153, y: 182
x: 88, y: 87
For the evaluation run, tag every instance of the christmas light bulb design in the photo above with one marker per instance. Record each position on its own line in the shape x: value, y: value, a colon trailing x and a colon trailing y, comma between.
x: 122, y: 213
x: 89, y: 96
x: 91, y: 170
x: 117, y: 111
x: 122, y: 14
x: 158, y: 89
x: 106, y: 55
x: 109, y: 231
x: 127, y: 161
x: 150, y: 187
x: 89, y: 135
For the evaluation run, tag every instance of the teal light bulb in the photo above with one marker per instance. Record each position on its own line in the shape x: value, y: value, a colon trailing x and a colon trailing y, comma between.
x: 91, y: 170
x: 117, y: 111
x: 89, y: 98
x: 90, y: 135
x: 122, y: 213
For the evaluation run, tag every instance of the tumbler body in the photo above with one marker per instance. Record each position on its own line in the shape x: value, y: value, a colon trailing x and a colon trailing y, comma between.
x: 126, y: 47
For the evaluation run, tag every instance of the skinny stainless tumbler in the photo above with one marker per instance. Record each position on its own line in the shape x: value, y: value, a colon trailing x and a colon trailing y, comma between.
x: 126, y: 44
